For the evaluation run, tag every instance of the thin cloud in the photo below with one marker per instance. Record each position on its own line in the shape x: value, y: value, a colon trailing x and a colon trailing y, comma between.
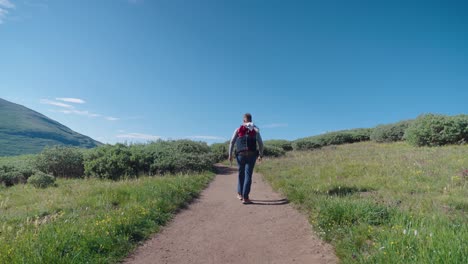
x: 54, y: 103
x: 78, y: 112
x: 71, y: 100
x: 3, y: 13
x: 71, y: 110
x: 275, y: 125
x: 138, y: 136
x: 5, y: 5
x: 207, y: 138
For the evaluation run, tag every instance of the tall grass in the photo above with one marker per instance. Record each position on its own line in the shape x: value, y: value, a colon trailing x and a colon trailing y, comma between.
x: 381, y: 203
x: 88, y: 220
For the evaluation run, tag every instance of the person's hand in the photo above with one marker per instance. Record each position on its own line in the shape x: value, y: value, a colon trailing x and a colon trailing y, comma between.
x: 230, y: 160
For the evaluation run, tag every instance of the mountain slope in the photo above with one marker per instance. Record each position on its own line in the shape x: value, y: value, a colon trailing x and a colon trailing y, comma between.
x: 24, y: 131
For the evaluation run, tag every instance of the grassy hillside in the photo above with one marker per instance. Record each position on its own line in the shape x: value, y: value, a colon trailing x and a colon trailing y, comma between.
x: 88, y: 220
x: 24, y: 131
x: 381, y: 203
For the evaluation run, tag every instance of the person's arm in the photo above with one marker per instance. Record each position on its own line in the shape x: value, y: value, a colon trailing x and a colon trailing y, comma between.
x: 231, y: 143
x: 260, y: 144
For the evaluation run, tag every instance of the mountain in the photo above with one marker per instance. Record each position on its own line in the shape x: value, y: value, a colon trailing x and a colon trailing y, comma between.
x: 24, y: 131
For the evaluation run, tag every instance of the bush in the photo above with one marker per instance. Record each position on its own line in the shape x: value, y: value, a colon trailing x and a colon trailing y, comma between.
x: 279, y: 143
x: 333, y: 138
x: 110, y: 162
x: 11, y: 178
x: 272, y: 151
x: 181, y: 156
x: 438, y: 130
x: 220, y: 151
x: 391, y: 132
x: 306, y: 144
x: 160, y: 157
x: 41, y: 180
x: 61, y: 161
x: 11, y: 175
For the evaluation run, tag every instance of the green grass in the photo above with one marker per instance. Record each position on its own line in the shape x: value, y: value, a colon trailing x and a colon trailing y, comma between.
x: 88, y: 220
x: 381, y: 203
x: 18, y: 161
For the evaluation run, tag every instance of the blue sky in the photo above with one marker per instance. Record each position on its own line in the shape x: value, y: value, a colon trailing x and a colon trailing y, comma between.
x: 144, y: 69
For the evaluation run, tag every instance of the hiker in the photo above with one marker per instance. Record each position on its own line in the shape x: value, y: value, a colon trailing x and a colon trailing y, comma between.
x: 245, y: 139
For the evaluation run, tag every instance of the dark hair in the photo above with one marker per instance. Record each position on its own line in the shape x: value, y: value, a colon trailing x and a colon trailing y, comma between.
x: 248, y: 116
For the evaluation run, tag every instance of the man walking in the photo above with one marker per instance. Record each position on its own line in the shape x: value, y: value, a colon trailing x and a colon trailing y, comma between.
x: 245, y: 139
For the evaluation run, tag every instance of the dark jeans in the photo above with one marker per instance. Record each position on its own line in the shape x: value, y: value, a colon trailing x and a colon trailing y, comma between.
x: 246, y: 166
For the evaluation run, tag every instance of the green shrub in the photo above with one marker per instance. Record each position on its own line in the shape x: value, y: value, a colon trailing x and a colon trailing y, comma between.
x: 11, y: 178
x: 142, y: 158
x: 220, y: 151
x: 438, y: 130
x: 110, y: 162
x: 160, y: 157
x: 391, y: 132
x: 272, y: 151
x: 11, y: 175
x: 333, y: 138
x: 41, y: 180
x: 306, y: 144
x: 61, y: 161
x: 181, y: 156
x: 279, y: 143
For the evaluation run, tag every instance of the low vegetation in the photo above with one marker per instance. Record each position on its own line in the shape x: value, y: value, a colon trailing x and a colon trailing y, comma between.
x: 286, y: 145
x: 332, y: 138
x: 391, y: 132
x: 426, y: 130
x: 88, y: 220
x: 438, y: 130
x: 61, y: 161
x: 376, y: 202
x: 110, y: 161
x: 41, y: 180
x: 381, y: 203
x: 102, y: 202
x: 220, y: 151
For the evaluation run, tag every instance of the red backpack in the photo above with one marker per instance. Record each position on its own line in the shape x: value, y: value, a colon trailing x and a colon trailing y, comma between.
x: 247, y: 139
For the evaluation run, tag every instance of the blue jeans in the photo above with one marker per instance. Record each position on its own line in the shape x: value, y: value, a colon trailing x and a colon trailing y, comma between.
x: 246, y: 166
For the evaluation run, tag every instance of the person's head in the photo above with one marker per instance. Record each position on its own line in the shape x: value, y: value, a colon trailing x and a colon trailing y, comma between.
x: 247, y: 118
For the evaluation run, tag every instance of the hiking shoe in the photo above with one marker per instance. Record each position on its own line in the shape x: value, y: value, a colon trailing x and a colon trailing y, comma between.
x: 246, y: 201
x: 239, y: 197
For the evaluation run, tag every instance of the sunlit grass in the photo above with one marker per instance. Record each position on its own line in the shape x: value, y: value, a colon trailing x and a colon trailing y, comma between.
x: 88, y: 220
x: 381, y: 203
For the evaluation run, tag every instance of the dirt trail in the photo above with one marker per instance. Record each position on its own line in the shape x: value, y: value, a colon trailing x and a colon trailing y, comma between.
x: 218, y: 228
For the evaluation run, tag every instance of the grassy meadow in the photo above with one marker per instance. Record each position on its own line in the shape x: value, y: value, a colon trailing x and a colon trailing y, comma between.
x: 381, y: 203
x: 88, y: 220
